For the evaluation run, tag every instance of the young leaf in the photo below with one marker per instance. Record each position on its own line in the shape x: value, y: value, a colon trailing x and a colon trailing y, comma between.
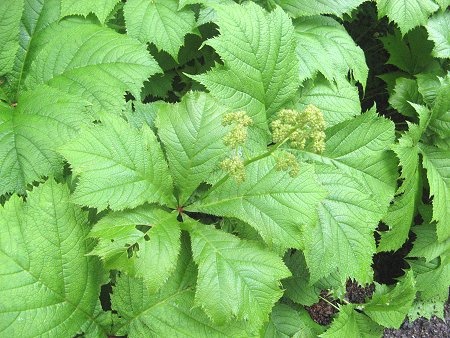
x: 359, y: 172
x: 168, y: 313
x: 407, y: 13
x: 236, y: 278
x: 405, y: 91
x: 100, y: 8
x: 271, y: 201
x: 30, y: 134
x: 93, y: 62
x: 286, y: 322
x: 426, y: 244
x: 438, y: 28
x: 10, y: 14
x: 337, y: 101
x: 159, y: 22
x: 297, y: 8
x: 352, y: 324
x: 323, y: 45
x: 192, y: 134
x: 435, y: 160
x: 435, y: 273
x: 119, y: 166
x: 260, y: 71
x: 388, y: 307
x: 159, y: 246
x: 47, y: 280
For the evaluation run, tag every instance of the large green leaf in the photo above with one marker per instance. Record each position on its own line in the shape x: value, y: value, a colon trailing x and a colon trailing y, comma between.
x: 236, y: 278
x: 100, y: 8
x: 438, y: 28
x: 359, y: 172
x: 260, y: 70
x: 272, y: 202
x: 337, y: 101
x: 119, y: 166
x: 436, y: 161
x: 388, y: 307
x: 46, y: 279
x: 93, y: 62
x: 407, y: 13
x: 30, y: 133
x: 323, y: 45
x: 168, y: 313
x: 159, y: 22
x: 192, y: 134
x: 297, y: 8
x: 352, y: 324
x: 287, y: 322
x: 10, y: 14
x: 158, y: 246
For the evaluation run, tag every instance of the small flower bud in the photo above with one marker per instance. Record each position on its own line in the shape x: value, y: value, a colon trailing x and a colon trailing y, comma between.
x: 235, y: 167
x: 288, y: 162
x: 238, y: 134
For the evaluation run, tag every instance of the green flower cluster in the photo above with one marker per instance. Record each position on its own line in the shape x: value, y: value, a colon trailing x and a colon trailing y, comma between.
x: 288, y: 162
x: 240, y: 122
x: 300, y: 128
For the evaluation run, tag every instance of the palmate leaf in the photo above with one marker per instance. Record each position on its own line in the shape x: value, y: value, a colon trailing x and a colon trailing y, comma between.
x: 158, y: 247
x: 337, y: 101
x: 119, y: 166
x: 160, y: 22
x: 236, y: 278
x: 30, y: 134
x: 438, y: 28
x: 47, y: 281
x: 352, y: 324
x: 10, y: 14
x: 260, y: 70
x: 389, y: 307
x: 286, y: 322
x: 100, y: 8
x: 407, y: 13
x: 360, y: 173
x: 192, y: 134
x: 297, y: 8
x: 170, y: 312
x: 93, y: 62
x: 436, y: 162
x: 323, y: 45
x: 272, y: 202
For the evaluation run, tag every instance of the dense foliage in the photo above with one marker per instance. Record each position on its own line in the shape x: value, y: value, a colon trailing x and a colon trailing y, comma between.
x: 200, y: 168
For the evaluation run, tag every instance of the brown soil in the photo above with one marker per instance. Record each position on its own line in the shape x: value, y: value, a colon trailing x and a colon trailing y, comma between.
x: 322, y: 312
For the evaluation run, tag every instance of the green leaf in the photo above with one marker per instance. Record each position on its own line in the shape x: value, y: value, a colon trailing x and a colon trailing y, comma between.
x: 297, y: 8
x: 93, y: 62
x: 260, y: 71
x: 100, y: 8
x: 432, y: 278
x: 159, y: 246
x: 37, y: 17
x: 168, y: 313
x: 438, y: 28
x: 272, y: 202
x: 405, y: 91
x: 436, y: 162
x: 192, y: 134
x: 426, y: 244
x: 388, y: 307
x: 47, y: 281
x: 286, y: 322
x: 30, y: 134
x: 237, y: 278
x: 323, y: 45
x: 337, y: 101
x: 440, y: 122
x: 10, y: 14
x: 411, y: 53
x: 352, y: 324
x: 159, y: 22
x: 119, y: 166
x: 426, y: 309
x: 407, y: 13
x: 360, y: 173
